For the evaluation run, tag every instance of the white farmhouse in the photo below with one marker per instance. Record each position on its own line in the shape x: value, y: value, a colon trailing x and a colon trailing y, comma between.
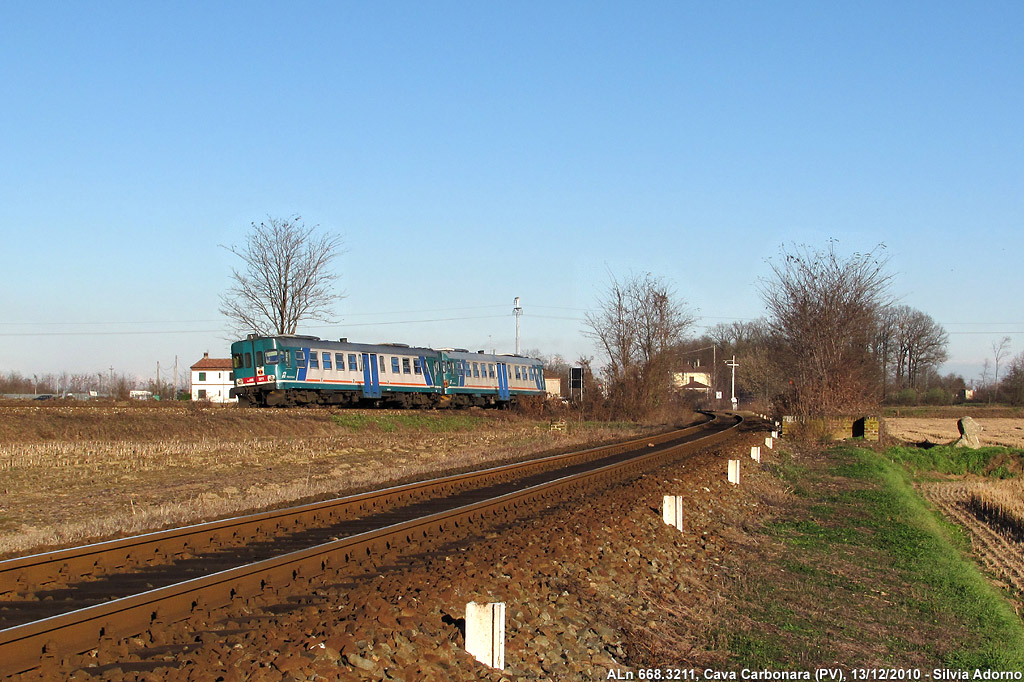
x: 212, y: 379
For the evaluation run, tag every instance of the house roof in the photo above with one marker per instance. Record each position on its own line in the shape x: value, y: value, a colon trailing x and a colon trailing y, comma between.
x: 213, y: 363
x: 696, y: 385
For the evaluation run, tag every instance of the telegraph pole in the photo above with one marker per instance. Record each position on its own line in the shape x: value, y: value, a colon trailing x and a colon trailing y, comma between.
x: 518, y: 312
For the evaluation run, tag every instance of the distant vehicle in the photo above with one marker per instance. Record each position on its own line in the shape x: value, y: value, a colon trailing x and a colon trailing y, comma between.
x: 44, y: 396
x: 278, y: 371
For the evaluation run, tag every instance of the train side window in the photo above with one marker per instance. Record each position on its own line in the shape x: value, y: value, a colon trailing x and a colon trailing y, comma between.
x: 352, y: 365
x: 517, y: 372
x: 300, y: 358
x: 416, y: 369
x: 405, y: 366
x: 383, y: 365
x: 327, y: 361
x: 394, y: 365
x: 248, y: 360
x: 339, y: 361
x: 314, y: 361
x: 476, y: 370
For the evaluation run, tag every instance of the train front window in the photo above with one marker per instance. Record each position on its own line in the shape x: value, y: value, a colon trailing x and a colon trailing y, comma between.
x: 248, y: 360
x: 236, y: 360
x: 259, y: 358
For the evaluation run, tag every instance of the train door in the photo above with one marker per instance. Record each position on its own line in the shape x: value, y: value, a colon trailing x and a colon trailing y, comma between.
x: 371, y: 378
x: 503, y: 393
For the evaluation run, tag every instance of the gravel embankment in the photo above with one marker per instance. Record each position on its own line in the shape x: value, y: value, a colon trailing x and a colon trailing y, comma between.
x: 597, y: 585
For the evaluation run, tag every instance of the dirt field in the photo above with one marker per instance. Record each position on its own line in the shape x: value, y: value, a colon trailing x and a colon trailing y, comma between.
x: 70, y: 474
x: 941, y: 431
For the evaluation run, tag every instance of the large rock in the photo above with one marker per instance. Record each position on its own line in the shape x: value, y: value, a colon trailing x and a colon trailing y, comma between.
x: 969, y: 430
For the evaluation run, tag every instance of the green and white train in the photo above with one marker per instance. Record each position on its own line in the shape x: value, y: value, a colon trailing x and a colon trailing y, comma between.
x: 280, y: 371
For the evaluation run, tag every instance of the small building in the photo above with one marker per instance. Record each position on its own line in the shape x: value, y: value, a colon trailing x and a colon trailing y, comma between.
x: 554, y: 386
x: 692, y: 381
x: 212, y: 379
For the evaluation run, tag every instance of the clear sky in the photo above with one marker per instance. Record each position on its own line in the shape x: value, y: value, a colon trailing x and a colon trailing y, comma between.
x: 471, y: 152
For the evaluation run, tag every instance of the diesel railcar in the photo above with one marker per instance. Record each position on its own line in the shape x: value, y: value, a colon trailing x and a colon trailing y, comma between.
x: 279, y: 371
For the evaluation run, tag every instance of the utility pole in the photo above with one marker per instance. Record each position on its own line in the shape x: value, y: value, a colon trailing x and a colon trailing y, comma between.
x: 518, y: 312
x: 158, y: 379
x: 732, y: 363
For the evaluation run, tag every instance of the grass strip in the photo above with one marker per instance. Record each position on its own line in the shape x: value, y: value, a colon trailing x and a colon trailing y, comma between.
x: 862, y: 572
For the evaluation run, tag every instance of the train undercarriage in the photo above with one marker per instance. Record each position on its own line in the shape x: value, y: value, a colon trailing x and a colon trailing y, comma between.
x: 294, y: 397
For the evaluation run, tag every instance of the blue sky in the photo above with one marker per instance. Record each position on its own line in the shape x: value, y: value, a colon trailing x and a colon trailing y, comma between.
x: 472, y: 152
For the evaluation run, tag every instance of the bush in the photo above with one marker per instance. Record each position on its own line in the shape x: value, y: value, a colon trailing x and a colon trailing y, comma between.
x: 907, y: 396
x: 936, y: 396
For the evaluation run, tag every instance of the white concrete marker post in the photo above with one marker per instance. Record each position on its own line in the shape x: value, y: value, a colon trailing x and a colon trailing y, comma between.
x: 775, y: 434
x: 485, y: 633
x: 768, y: 442
x: 755, y: 453
x: 672, y: 511
x: 734, y: 471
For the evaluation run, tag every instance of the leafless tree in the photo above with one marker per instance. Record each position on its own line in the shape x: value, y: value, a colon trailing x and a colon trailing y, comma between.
x: 918, y: 343
x: 824, y: 310
x: 639, y: 323
x: 999, y: 351
x: 286, y: 278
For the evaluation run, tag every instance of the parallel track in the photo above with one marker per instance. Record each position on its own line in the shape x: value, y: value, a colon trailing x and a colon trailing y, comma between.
x: 67, y: 601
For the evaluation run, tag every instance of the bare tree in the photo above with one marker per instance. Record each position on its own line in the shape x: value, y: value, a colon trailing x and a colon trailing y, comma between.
x: 919, y: 344
x: 824, y: 310
x: 286, y: 278
x: 999, y: 351
x: 639, y: 324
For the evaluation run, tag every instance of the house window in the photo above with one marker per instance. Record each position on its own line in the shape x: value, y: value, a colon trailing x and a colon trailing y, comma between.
x: 231, y: 376
x: 202, y: 394
x: 202, y: 376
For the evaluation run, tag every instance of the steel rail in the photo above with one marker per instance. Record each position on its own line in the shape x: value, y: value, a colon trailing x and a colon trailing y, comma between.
x: 25, y: 646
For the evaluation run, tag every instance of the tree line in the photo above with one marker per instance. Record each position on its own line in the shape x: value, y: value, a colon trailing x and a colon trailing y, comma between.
x: 833, y: 340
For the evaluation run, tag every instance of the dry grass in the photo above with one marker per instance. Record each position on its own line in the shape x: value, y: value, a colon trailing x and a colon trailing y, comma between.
x: 999, y: 504
x: 70, y: 475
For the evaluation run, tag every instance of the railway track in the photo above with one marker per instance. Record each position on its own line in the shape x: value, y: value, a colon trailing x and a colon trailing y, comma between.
x: 66, y: 602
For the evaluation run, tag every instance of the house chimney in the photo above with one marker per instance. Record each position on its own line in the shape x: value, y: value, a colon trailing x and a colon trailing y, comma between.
x: 206, y: 355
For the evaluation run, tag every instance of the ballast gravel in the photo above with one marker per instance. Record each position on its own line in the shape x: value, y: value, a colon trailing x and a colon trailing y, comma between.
x: 597, y: 586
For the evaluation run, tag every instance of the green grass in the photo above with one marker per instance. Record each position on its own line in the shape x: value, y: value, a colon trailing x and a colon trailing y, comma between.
x: 881, y: 576
x: 995, y: 462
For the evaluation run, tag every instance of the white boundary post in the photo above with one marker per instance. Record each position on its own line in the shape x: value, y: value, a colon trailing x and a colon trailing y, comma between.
x: 672, y: 511
x: 734, y: 471
x: 755, y: 453
x: 485, y: 633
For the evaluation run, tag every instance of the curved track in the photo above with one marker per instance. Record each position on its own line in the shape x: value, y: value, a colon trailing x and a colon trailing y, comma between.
x: 65, y: 602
